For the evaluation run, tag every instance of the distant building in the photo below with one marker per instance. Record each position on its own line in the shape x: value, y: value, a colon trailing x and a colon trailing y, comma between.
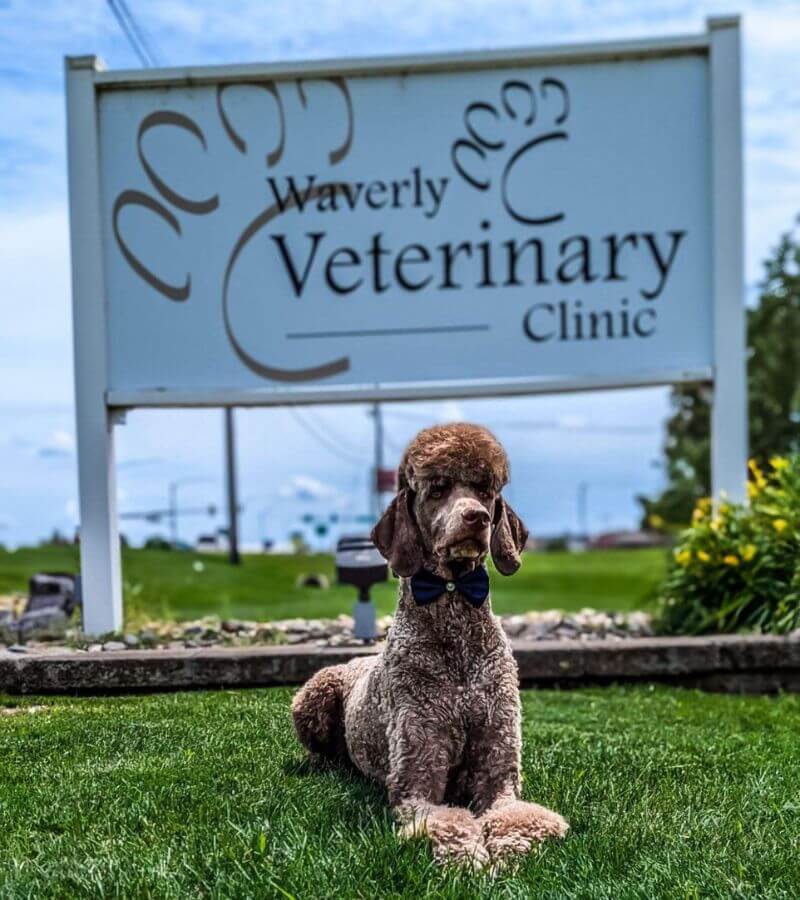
x: 552, y: 543
x: 628, y: 540
x: 211, y: 543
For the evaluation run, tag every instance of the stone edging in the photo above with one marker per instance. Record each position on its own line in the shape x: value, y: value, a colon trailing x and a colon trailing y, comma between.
x: 732, y: 663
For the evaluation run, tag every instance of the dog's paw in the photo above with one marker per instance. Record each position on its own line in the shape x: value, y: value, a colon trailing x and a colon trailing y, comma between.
x: 513, y: 829
x: 455, y: 834
x: 515, y: 130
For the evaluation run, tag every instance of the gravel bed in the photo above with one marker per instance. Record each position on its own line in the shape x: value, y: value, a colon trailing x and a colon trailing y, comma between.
x: 211, y: 631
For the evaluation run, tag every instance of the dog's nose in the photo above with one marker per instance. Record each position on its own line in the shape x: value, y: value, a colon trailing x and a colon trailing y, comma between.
x: 475, y: 516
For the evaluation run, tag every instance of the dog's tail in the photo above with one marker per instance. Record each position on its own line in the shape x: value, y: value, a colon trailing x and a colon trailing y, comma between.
x: 318, y: 713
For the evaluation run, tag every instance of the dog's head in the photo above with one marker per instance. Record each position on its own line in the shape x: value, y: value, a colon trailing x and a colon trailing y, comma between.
x: 449, y: 513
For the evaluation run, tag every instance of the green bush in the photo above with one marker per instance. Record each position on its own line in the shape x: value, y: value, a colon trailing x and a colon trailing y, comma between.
x: 737, y: 567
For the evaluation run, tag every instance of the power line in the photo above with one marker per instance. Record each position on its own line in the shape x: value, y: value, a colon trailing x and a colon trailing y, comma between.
x: 555, y: 425
x: 319, y: 420
x: 540, y: 424
x: 140, y: 51
x: 325, y: 440
x: 144, y: 39
x: 135, y: 35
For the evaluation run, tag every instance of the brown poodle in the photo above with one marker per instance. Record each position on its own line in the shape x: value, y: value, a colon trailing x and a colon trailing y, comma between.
x: 436, y: 715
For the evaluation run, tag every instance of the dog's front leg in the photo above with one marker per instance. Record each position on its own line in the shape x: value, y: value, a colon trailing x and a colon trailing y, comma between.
x: 511, y: 826
x: 422, y: 751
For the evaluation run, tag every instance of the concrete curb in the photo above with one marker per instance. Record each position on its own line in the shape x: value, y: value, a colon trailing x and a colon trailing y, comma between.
x: 728, y: 663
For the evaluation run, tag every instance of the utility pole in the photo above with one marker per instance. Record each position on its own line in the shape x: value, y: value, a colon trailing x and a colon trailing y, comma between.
x: 583, y: 509
x: 378, y: 465
x: 230, y: 472
x: 173, y: 513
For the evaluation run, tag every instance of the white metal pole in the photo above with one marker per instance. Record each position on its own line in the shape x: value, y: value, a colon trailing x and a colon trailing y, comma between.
x: 729, y: 413
x: 100, y: 552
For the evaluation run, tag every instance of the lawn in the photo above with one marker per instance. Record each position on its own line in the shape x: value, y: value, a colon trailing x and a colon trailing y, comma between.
x: 168, y: 584
x: 670, y: 794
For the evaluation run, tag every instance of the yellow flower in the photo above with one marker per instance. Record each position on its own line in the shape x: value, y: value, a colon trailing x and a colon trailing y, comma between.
x: 730, y: 560
x: 779, y: 462
x: 758, y: 475
x: 683, y: 557
x: 780, y: 525
x: 656, y: 521
x: 703, y: 556
x: 715, y: 524
x: 704, y: 503
x: 753, y: 489
x: 698, y: 515
x: 749, y: 552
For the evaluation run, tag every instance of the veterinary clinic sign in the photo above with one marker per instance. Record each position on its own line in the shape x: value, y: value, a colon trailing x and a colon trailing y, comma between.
x: 530, y: 221
x: 508, y: 222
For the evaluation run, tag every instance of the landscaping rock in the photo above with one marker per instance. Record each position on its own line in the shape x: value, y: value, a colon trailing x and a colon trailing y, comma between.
x: 639, y: 623
x: 537, y: 631
x: 17, y: 648
x: 514, y: 626
x: 8, y: 634
x: 313, y: 580
x: 210, y: 631
x: 49, y: 623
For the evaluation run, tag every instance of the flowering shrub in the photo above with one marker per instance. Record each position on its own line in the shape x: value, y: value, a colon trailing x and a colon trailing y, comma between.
x: 738, y: 567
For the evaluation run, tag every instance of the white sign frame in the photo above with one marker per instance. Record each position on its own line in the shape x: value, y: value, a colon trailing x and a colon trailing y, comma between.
x: 98, y: 409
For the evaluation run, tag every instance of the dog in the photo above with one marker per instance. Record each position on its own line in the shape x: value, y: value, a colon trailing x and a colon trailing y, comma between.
x: 435, y: 716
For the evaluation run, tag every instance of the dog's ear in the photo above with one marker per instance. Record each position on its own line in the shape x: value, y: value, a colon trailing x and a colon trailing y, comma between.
x: 397, y: 537
x: 508, y: 538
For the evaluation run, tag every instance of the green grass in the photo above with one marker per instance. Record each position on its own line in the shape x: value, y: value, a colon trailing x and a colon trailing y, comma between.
x: 166, y: 585
x: 670, y: 794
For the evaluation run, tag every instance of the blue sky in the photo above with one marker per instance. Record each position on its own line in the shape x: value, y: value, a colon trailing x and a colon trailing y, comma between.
x: 554, y: 442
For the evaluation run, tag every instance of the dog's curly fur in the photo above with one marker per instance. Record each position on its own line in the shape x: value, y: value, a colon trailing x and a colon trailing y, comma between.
x: 436, y: 716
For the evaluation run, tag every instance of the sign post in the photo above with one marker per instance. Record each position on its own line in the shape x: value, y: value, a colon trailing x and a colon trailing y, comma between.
x: 729, y: 437
x: 464, y: 225
x: 100, y: 550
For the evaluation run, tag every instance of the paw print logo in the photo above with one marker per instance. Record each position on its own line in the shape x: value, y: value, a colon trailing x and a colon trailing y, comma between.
x: 513, y: 131
x: 166, y: 203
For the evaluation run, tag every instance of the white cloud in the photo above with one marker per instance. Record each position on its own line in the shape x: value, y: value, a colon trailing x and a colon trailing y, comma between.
x: 307, y: 488
x: 572, y: 422
x: 36, y: 359
x: 58, y: 443
x: 451, y: 411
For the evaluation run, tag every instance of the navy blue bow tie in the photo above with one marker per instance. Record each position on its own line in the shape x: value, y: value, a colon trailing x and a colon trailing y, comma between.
x: 427, y: 587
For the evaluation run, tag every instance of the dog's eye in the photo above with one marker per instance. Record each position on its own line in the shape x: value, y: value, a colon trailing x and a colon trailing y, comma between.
x: 483, y: 489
